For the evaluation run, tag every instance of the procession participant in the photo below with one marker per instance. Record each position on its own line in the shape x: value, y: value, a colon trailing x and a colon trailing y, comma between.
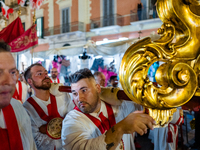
x: 113, y: 81
x: 94, y: 124
x: 15, y: 125
x: 54, y: 76
x: 45, y: 108
x: 100, y: 78
x: 169, y: 134
x: 20, y: 90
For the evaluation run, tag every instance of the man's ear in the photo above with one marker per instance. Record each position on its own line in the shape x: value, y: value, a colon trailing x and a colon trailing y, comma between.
x: 30, y: 82
x: 98, y: 88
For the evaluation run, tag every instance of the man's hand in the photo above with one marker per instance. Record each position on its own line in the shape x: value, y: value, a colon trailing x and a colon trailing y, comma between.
x: 138, y: 122
x: 43, y: 129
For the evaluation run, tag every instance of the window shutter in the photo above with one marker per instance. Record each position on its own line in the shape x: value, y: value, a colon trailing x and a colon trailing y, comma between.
x: 42, y: 27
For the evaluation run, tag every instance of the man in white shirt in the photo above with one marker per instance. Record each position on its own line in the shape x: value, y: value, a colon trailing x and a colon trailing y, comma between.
x: 46, y: 108
x: 54, y: 76
x: 15, y: 125
x: 94, y: 124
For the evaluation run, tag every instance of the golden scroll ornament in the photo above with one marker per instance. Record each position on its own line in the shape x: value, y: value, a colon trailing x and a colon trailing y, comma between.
x: 178, y: 48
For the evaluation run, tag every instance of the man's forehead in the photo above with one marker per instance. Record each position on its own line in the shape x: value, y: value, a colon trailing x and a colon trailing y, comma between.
x: 53, y: 69
x: 7, y: 61
x: 81, y: 83
x: 102, y: 75
x: 37, y: 68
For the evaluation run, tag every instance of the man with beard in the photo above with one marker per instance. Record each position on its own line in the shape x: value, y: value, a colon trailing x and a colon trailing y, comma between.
x: 15, y: 125
x: 96, y: 125
x: 45, y: 109
x: 54, y: 76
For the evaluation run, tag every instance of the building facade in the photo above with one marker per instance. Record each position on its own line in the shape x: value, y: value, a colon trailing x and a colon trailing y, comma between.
x: 73, y: 22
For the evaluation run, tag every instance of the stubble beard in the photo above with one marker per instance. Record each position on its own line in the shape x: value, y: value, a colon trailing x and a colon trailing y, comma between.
x: 54, y: 76
x: 90, y: 107
x: 46, y: 86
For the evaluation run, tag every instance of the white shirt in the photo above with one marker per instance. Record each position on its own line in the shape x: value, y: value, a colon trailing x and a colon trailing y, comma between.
x: 79, y: 132
x: 24, y: 124
x: 56, y: 80
x: 43, y: 141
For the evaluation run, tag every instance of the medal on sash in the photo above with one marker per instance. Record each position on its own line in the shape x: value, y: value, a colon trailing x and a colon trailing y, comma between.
x: 54, y: 120
x: 54, y: 128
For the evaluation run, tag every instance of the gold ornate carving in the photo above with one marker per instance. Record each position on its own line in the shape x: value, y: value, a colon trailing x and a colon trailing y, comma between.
x: 179, y: 48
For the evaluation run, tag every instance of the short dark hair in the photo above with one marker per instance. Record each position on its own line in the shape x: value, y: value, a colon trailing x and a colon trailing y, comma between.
x: 80, y: 74
x: 97, y: 73
x: 4, y: 47
x: 27, y: 72
x: 112, y: 78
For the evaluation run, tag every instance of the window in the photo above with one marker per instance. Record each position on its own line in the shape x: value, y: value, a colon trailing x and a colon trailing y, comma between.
x: 40, y: 27
x: 108, y: 12
x: 24, y: 26
x: 65, y: 20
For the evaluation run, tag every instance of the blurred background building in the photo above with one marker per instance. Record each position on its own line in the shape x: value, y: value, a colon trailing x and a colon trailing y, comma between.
x: 64, y: 27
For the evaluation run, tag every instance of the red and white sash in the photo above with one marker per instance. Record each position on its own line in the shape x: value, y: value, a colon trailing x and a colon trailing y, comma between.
x: 173, y: 131
x: 58, y: 80
x: 105, y: 124
x: 18, y: 95
x: 52, y: 110
x: 10, y: 138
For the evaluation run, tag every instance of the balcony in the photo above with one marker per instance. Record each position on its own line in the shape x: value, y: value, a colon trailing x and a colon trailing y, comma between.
x: 144, y: 14
x: 105, y: 21
x: 111, y: 22
x: 64, y: 28
x: 145, y: 19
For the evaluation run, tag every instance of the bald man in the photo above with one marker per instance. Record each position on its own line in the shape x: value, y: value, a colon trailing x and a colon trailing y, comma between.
x: 54, y: 76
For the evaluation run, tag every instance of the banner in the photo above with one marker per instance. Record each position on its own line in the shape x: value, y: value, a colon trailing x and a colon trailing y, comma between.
x: 12, y: 31
x: 25, y: 41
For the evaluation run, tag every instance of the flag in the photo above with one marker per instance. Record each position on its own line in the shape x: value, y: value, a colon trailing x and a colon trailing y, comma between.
x: 26, y: 40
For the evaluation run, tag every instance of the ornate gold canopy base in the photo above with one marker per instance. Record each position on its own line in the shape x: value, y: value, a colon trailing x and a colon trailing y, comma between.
x: 162, y: 117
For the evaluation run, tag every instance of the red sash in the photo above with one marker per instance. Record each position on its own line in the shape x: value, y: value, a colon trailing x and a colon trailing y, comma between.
x: 58, y: 80
x: 175, y: 126
x: 52, y: 110
x: 16, y: 95
x: 10, y: 138
x: 102, y: 125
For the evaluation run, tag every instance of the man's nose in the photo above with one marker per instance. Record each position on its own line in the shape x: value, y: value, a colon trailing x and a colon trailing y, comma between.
x: 80, y: 96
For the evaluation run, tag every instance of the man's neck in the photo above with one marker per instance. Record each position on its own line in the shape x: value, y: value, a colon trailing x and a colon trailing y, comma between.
x: 42, y: 94
x: 98, y: 107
